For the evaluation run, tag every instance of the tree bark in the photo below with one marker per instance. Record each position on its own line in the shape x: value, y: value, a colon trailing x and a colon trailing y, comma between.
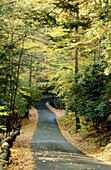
x: 30, y: 76
x: 18, y: 73
x: 76, y: 71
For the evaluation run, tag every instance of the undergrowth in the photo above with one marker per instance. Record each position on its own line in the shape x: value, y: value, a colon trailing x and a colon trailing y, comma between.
x: 87, y: 130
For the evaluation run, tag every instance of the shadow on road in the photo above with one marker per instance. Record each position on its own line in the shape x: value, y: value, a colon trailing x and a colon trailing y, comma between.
x: 52, y: 151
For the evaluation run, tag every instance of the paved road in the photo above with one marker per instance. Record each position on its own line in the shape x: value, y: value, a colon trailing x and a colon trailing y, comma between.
x: 52, y: 151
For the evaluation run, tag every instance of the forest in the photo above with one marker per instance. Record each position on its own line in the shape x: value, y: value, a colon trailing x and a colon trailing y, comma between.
x: 58, y: 47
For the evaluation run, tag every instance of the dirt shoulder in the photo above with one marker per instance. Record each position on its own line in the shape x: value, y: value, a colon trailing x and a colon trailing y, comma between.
x: 85, y: 145
x: 21, y: 154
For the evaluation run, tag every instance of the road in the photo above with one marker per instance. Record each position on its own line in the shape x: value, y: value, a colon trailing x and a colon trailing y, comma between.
x: 52, y: 151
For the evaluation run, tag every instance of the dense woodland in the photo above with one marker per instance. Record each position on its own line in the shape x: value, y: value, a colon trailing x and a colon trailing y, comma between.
x: 62, y: 47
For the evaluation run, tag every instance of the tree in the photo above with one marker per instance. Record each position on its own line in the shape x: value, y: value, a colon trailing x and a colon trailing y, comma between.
x: 94, y: 102
x: 13, y: 31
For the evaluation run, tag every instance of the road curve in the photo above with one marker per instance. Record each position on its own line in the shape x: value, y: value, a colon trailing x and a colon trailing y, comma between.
x: 52, y: 151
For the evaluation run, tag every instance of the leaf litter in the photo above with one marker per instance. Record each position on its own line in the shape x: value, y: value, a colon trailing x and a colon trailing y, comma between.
x: 21, y: 154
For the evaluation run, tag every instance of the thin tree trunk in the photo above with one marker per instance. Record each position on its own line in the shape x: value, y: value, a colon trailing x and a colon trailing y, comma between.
x: 18, y: 73
x: 11, y: 70
x: 99, y: 50
x: 94, y: 56
x: 76, y: 72
x: 30, y: 76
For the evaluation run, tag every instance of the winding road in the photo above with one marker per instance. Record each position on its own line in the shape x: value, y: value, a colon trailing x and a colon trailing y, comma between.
x: 52, y: 151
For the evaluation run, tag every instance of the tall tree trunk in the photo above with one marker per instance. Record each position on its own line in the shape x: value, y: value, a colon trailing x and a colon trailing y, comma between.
x: 76, y: 71
x: 94, y: 56
x: 99, y: 50
x: 18, y: 73
x: 30, y: 74
x: 11, y: 70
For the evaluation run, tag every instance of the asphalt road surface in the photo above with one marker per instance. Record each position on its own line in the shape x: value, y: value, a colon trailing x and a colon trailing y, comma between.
x: 52, y: 151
